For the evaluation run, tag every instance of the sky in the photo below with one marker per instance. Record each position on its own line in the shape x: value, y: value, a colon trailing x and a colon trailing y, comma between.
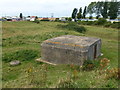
x: 41, y: 8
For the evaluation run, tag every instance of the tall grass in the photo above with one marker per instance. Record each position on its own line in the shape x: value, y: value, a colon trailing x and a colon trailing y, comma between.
x: 21, y: 36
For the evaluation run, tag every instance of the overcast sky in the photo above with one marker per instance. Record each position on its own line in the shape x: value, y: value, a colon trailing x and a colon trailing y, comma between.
x: 42, y: 8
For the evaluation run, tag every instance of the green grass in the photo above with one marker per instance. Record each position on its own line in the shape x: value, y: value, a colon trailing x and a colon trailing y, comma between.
x: 24, y: 35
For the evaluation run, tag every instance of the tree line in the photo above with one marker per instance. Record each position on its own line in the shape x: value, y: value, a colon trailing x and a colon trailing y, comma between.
x: 101, y: 8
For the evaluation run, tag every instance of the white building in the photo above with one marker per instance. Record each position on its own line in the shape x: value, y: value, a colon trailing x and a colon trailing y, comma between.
x: 62, y: 19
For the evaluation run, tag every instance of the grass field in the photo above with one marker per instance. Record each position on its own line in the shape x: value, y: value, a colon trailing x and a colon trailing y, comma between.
x: 18, y: 36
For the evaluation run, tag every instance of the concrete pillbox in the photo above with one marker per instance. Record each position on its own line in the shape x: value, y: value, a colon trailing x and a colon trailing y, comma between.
x: 69, y: 49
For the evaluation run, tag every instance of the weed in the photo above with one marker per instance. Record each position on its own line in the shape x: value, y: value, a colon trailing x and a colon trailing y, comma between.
x: 37, y: 77
x: 104, y: 63
x: 66, y: 83
x: 112, y: 73
x: 75, y: 74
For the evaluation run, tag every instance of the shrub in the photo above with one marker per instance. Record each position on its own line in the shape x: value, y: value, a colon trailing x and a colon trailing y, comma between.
x: 57, y: 20
x: 97, y: 17
x: 81, y: 22
x: 45, y: 20
x: 104, y: 63
x: 86, y: 22
x: 37, y: 21
x: 90, y: 17
x: 89, y: 22
x: 107, y: 25
x: 90, y: 65
x: 116, y: 25
x: 21, y: 55
x: 73, y: 26
x: 69, y: 19
x: 101, y: 21
x: 113, y: 73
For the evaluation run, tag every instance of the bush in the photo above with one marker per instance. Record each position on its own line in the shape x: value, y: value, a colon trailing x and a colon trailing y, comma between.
x: 86, y: 22
x: 69, y: 19
x: 45, y: 20
x: 73, y: 26
x: 37, y: 21
x: 97, y: 16
x: 21, y: 55
x: 89, y: 22
x: 115, y: 25
x: 101, y: 21
x: 112, y: 73
x: 57, y: 20
x: 108, y: 24
x: 90, y: 17
x: 90, y: 65
x: 82, y: 22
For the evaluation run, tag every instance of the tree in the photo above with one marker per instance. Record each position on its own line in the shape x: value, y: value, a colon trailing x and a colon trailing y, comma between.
x: 97, y: 17
x: 104, y: 11
x: 113, y: 10
x: 118, y: 8
x: 79, y: 15
x: 74, y: 13
x: 90, y: 17
x: 36, y: 18
x: 98, y: 8
x: 21, y: 16
x: 91, y: 8
x: 84, y: 12
x: 69, y: 19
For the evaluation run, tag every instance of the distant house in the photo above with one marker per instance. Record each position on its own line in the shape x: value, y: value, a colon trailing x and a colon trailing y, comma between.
x: 2, y: 19
x: 40, y: 18
x: 113, y: 20
x: 28, y: 18
x: 32, y: 18
x: 44, y: 19
x: 15, y: 18
x: 57, y: 19
x: 62, y: 19
x: 8, y: 18
x: 52, y: 19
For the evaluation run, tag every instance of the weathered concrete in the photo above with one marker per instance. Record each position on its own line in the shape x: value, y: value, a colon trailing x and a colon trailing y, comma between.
x: 69, y: 49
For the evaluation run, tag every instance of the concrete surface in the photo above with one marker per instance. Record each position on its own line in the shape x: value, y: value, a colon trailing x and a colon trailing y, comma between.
x: 69, y: 49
